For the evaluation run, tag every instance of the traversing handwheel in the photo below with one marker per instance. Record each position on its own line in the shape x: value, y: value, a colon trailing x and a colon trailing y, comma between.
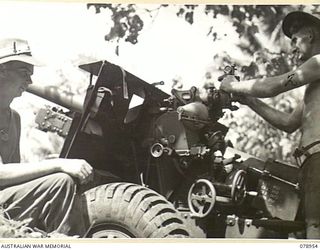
x: 238, y: 188
x: 201, y: 198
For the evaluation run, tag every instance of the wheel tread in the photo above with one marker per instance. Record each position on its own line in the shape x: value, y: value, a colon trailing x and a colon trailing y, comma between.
x: 134, y: 204
x: 119, y: 206
x: 150, y: 214
x: 137, y: 209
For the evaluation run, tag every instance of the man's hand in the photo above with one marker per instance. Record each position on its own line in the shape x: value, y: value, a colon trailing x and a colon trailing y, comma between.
x: 76, y: 168
x: 226, y: 83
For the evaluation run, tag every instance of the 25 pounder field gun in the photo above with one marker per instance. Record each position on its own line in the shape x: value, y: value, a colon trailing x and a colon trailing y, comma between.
x: 168, y: 170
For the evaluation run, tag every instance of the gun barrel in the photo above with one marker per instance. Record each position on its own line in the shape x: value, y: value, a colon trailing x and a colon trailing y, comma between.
x: 62, y: 98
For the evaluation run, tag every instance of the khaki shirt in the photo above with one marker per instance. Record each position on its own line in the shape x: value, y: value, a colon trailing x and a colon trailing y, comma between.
x: 10, y: 146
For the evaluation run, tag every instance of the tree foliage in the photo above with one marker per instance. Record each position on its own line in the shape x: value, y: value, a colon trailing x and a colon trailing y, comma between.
x: 127, y: 23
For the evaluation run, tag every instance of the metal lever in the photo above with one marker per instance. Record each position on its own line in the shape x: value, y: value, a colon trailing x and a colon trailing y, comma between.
x: 266, y: 173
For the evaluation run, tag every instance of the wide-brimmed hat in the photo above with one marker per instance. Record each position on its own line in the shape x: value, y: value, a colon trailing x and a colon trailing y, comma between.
x: 15, y: 49
x: 298, y: 17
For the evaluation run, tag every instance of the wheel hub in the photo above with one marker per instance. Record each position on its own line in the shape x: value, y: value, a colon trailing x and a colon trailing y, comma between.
x: 111, y: 232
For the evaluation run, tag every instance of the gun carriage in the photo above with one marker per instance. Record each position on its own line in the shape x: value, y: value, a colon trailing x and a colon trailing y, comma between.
x: 166, y: 168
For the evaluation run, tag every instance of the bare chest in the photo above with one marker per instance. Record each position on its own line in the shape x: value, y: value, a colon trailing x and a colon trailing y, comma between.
x: 312, y: 98
x: 311, y: 114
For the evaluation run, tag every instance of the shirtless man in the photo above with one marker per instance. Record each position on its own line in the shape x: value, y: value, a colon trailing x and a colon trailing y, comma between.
x: 41, y: 191
x: 304, y: 31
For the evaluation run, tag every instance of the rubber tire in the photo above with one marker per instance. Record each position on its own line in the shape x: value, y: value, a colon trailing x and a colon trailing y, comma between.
x: 134, y: 209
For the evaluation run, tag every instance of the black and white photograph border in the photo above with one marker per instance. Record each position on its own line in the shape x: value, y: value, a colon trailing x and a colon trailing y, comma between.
x: 158, y: 121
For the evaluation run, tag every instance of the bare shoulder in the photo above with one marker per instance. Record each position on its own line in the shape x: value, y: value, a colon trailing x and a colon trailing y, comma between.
x: 309, y: 71
x: 315, y: 59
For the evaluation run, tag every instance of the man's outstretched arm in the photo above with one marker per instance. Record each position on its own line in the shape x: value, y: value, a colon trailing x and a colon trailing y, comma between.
x: 307, y: 73
x: 288, y: 122
x: 15, y: 173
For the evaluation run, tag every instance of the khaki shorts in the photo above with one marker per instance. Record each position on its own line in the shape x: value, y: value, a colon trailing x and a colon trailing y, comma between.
x: 310, y: 179
x: 46, y: 201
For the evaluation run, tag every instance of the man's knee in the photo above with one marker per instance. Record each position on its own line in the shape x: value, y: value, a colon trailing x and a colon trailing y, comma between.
x: 62, y: 181
x: 65, y: 179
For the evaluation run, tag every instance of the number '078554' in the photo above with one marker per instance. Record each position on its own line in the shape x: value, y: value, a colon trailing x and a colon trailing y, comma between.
x: 308, y: 245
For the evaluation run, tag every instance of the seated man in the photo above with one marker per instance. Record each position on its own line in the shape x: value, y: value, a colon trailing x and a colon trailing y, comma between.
x: 42, y: 191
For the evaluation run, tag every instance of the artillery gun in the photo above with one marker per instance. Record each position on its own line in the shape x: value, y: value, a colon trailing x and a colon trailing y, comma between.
x: 162, y: 165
